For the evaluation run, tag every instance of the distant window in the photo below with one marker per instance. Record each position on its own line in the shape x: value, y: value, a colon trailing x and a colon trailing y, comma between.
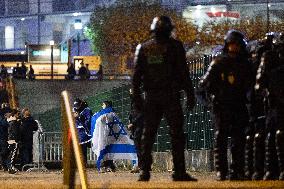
x: 18, y: 7
x: 63, y: 5
x: 9, y: 37
x: 2, y: 7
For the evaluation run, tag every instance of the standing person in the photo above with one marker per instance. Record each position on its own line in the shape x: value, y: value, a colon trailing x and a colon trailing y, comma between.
x: 23, y: 71
x: 100, y: 73
x: 255, y: 139
x: 27, y: 128
x: 3, y: 137
x: 270, y: 82
x: 160, y: 66
x: 83, y: 71
x: 13, y: 139
x: 71, y: 72
x: 83, y: 115
x: 31, y: 74
x: 16, y: 71
x: 4, y: 72
x: 136, y: 125
x: 227, y: 82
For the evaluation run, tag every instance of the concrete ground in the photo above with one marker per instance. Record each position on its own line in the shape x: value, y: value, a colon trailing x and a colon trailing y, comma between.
x: 123, y: 179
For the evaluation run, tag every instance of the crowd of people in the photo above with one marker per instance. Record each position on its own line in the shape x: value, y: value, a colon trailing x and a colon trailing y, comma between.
x: 83, y: 72
x: 243, y: 87
x: 16, y: 138
x: 18, y: 72
x: 22, y: 72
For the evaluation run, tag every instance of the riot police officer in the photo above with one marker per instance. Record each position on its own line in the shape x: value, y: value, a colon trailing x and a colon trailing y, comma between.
x: 160, y: 67
x: 256, y: 137
x: 226, y: 84
x: 83, y: 114
x: 269, y: 82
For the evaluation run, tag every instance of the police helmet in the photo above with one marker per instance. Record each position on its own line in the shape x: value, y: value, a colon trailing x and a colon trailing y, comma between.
x: 235, y: 36
x: 162, y: 25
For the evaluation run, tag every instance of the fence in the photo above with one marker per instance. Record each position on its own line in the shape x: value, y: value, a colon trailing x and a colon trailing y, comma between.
x: 197, y: 125
x: 48, y: 148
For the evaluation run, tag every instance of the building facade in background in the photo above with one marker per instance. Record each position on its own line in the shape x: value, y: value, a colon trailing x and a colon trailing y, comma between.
x: 40, y: 21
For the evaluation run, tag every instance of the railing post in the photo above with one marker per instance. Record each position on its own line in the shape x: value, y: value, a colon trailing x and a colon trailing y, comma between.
x: 13, y: 101
x: 71, y: 147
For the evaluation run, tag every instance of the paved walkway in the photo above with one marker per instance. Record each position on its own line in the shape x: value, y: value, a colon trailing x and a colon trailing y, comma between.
x: 122, y: 179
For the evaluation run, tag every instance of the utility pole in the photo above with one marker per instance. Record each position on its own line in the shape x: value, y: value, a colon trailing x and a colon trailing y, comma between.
x: 38, y: 22
x: 267, y: 16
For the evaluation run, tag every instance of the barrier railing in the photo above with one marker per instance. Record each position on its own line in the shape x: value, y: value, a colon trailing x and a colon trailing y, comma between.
x: 13, y: 99
x: 52, y: 149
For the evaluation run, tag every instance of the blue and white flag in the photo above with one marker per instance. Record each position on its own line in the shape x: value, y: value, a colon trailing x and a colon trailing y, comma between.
x: 110, y: 140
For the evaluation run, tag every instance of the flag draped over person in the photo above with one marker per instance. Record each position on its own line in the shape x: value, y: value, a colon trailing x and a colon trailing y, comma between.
x: 110, y: 140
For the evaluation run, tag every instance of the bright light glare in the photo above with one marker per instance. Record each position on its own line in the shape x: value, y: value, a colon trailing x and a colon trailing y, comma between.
x: 51, y: 42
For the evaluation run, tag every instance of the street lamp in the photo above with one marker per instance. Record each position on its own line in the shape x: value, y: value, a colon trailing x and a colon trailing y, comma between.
x: 267, y: 16
x: 51, y: 56
x: 78, y: 26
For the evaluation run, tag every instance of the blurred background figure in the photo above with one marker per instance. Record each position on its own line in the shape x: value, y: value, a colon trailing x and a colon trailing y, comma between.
x: 82, y: 72
x: 3, y: 72
x: 27, y: 128
x: 31, y: 74
x: 71, y: 72
x: 23, y: 71
x: 100, y: 73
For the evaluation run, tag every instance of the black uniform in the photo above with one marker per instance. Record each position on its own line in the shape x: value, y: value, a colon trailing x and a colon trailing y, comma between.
x: 3, y: 139
x: 270, y: 81
x: 227, y: 81
x: 13, y: 141
x: 160, y: 66
x: 28, y: 126
x: 256, y: 134
x: 136, y: 118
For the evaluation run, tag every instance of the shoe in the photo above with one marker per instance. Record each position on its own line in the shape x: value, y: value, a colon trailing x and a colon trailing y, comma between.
x: 257, y: 176
x: 248, y: 175
x: 270, y: 176
x: 183, y: 177
x: 220, y: 176
x: 144, y: 176
x: 102, y: 170
x: 12, y: 170
x: 135, y: 170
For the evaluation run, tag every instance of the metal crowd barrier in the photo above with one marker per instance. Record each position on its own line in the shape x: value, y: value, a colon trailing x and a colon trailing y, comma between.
x: 47, y: 148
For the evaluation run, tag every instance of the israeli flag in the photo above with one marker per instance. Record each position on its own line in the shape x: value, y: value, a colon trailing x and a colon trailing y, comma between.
x: 110, y: 140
